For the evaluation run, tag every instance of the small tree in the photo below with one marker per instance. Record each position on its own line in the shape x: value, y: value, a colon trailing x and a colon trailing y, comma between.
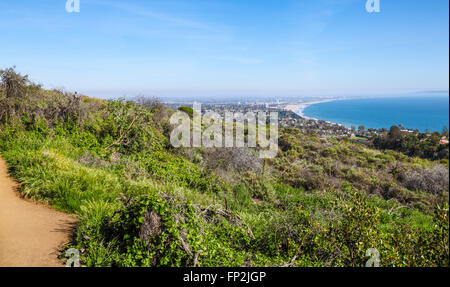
x: 14, y: 83
x: 395, y: 132
x: 13, y: 86
x: 445, y: 131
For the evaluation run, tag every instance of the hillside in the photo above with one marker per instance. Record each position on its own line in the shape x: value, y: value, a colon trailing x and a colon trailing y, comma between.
x: 141, y: 202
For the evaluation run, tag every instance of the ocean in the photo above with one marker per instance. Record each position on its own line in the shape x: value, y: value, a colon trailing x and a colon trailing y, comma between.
x: 414, y: 112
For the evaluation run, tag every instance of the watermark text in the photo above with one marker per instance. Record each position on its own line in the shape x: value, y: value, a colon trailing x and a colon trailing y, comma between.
x: 73, y: 6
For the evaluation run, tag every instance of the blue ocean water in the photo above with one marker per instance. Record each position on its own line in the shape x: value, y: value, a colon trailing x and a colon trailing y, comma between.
x: 414, y: 112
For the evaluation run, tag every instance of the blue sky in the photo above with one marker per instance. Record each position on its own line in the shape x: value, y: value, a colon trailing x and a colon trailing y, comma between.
x: 174, y: 47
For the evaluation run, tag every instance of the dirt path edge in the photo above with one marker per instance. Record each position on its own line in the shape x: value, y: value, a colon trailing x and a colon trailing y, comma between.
x: 31, y: 234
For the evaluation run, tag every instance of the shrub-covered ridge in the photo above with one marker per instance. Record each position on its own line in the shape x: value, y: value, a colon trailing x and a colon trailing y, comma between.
x: 320, y: 202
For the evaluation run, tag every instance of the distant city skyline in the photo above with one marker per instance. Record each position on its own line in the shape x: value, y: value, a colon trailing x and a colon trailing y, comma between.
x: 186, y: 48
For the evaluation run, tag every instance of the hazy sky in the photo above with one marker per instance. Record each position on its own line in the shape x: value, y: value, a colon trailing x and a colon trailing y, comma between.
x: 208, y: 46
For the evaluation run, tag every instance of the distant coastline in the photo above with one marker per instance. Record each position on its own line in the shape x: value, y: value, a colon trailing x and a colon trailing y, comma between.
x: 300, y: 107
x: 424, y: 113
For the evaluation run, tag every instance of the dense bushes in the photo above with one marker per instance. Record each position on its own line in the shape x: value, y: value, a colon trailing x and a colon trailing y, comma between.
x: 424, y: 145
x: 432, y: 180
x: 321, y: 166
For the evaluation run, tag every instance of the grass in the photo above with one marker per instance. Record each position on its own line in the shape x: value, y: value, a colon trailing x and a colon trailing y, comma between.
x: 50, y: 170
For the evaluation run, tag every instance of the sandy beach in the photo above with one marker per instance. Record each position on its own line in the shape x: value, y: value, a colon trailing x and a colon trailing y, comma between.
x: 298, y: 108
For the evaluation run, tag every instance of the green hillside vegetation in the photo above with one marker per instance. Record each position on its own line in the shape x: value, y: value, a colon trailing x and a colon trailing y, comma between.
x: 424, y: 145
x: 141, y: 202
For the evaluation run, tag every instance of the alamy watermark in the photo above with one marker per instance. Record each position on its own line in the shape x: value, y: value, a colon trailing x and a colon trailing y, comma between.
x: 374, y: 260
x: 233, y: 130
x: 73, y: 6
x: 73, y: 256
x: 373, y: 6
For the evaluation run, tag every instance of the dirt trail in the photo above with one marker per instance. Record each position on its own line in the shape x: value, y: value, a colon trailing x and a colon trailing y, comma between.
x: 30, y: 234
